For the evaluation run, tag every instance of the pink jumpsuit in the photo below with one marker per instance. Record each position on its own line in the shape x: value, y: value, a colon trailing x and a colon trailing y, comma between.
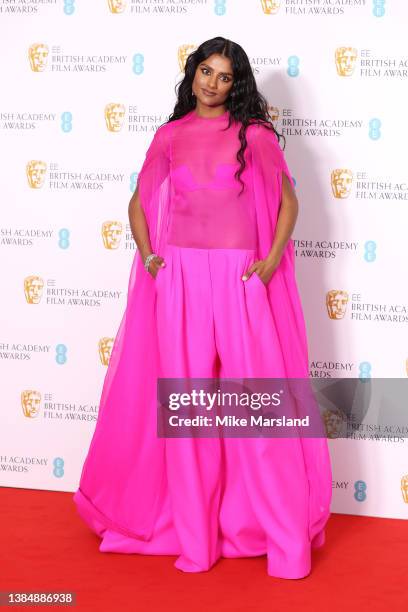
x: 221, y: 497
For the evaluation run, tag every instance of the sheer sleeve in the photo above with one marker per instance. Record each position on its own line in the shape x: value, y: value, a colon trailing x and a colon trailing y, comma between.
x: 268, y: 154
x: 127, y: 499
x: 153, y: 183
x: 265, y: 142
x: 268, y: 165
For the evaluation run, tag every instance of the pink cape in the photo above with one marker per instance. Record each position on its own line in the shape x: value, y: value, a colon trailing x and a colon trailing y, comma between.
x: 123, y: 475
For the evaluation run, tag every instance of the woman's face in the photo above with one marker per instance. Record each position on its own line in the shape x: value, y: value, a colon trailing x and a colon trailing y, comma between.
x: 213, y: 80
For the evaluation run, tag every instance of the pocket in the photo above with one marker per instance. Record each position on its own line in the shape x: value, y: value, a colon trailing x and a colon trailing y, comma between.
x: 258, y: 279
x: 158, y: 276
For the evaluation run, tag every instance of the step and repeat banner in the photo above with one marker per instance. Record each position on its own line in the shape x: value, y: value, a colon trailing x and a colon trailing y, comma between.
x: 85, y: 84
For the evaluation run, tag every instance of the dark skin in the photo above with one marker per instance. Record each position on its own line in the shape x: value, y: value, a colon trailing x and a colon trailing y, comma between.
x: 215, y: 75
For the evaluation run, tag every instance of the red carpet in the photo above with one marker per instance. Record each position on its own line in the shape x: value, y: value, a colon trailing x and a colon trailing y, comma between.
x: 45, y: 546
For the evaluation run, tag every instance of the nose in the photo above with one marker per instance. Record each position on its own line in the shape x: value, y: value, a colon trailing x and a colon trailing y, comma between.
x: 212, y: 82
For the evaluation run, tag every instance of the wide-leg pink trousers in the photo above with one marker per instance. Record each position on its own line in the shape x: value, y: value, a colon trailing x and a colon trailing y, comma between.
x: 224, y: 497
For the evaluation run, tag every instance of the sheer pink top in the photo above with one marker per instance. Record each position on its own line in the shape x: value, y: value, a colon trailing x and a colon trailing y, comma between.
x: 205, y: 210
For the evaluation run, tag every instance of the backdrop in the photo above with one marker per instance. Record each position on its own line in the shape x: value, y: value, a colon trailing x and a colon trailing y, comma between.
x: 84, y: 86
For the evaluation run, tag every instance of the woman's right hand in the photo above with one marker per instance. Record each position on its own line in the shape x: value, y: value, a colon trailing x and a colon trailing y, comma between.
x: 155, y: 264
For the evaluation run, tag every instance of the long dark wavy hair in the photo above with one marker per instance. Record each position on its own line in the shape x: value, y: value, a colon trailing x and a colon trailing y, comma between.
x: 244, y: 102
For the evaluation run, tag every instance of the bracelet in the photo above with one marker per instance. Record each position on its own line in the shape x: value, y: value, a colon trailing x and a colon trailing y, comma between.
x: 148, y: 260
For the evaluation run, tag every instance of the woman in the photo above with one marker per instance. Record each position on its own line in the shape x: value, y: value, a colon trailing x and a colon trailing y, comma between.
x: 212, y: 293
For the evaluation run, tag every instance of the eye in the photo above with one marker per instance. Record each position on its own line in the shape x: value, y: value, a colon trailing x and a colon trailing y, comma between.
x: 223, y: 77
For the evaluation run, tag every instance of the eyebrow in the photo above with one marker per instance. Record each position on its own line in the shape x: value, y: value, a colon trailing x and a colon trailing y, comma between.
x: 207, y: 66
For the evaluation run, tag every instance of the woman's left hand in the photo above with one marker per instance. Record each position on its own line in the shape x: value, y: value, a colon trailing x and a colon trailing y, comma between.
x: 264, y: 268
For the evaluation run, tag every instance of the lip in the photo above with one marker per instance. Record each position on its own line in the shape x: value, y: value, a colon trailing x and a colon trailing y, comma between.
x: 208, y: 93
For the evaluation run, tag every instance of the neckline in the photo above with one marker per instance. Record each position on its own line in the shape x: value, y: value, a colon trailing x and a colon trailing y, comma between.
x: 217, y: 118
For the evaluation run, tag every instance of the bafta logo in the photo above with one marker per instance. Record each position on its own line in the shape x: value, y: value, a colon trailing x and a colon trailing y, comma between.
x: 270, y: 7
x: 117, y: 6
x: 346, y: 58
x: 35, y: 170
x: 273, y: 112
x: 30, y: 403
x: 333, y: 422
x: 336, y: 302
x: 111, y: 234
x: 33, y: 287
x: 341, y: 181
x: 105, y: 348
x: 114, y: 115
x: 38, y: 55
x: 182, y: 54
x: 404, y: 488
